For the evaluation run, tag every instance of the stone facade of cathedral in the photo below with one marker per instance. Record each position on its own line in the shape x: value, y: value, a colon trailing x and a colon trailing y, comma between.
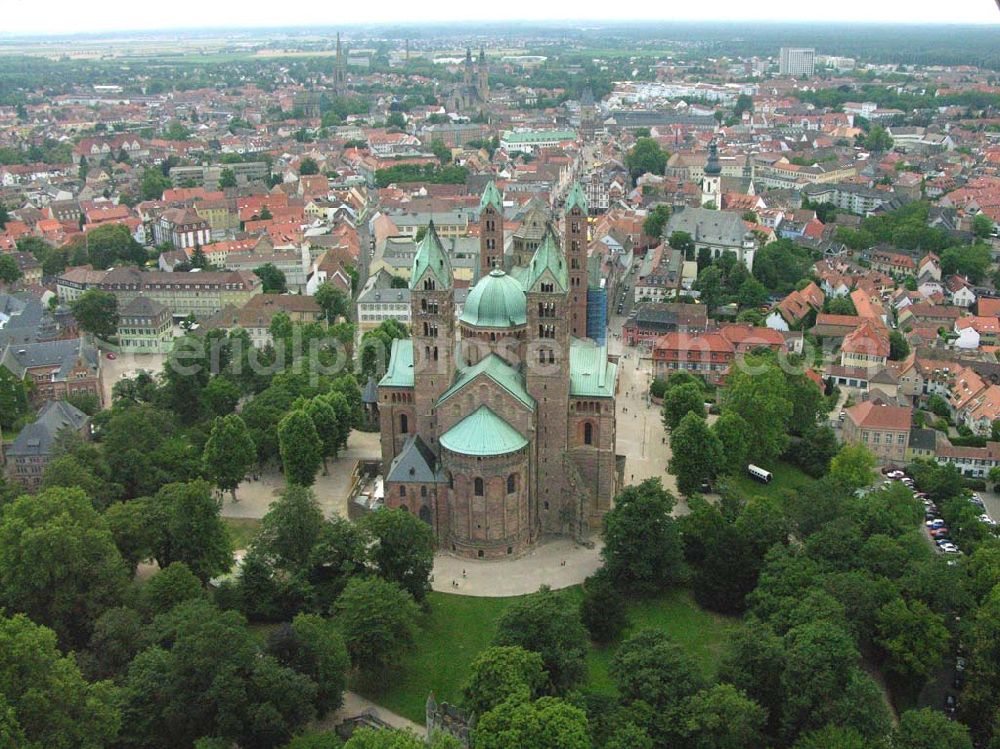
x: 499, y: 426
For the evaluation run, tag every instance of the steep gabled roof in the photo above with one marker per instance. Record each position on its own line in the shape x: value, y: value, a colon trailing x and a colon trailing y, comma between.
x: 491, y: 196
x: 400, y: 371
x: 576, y: 199
x: 497, y: 370
x: 548, y: 257
x: 431, y: 258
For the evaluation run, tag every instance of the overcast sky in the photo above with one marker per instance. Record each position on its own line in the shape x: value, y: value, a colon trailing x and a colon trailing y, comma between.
x: 64, y: 16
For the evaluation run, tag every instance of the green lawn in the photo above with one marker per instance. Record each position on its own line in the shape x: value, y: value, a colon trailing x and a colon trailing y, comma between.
x: 241, y: 530
x: 786, y: 476
x: 459, y: 627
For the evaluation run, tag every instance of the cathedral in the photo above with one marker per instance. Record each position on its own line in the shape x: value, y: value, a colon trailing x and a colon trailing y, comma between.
x: 473, y: 94
x: 498, y: 425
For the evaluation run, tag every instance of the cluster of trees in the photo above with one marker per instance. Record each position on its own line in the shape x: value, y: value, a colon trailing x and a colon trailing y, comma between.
x: 646, y: 156
x: 726, y: 280
x: 452, y: 174
x: 781, y: 265
x: 768, y: 411
x: 905, y: 227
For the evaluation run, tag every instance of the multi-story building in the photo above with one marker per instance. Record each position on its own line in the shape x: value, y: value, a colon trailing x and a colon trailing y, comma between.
x: 145, y: 327
x: 650, y: 322
x: 527, y: 141
x: 711, y: 354
x: 378, y: 301
x: 31, y: 450
x: 883, y: 429
x: 57, y: 369
x: 181, y: 227
x: 797, y: 61
x: 197, y: 293
x: 510, y: 433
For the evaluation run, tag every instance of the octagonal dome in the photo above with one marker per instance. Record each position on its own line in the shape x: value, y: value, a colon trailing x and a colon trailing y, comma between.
x: 497, y: 301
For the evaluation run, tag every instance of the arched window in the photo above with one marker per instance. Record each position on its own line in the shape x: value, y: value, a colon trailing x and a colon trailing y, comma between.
x: 451, y: 480
x: 404, y: 424
x: 588, y: 433
x: 511, y: 484
x: 477, y: 487
x: 402, y: 491
x: 423, y: 491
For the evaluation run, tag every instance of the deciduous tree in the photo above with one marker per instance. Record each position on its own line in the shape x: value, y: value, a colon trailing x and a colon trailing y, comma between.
x: 229, y: 452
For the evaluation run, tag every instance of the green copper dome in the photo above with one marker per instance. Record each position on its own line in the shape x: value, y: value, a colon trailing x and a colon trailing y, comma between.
x: 497, y: 301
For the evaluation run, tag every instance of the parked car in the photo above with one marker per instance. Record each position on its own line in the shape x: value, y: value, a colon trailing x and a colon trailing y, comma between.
x: 949, y: 548
x: 935, y: 523
x: 949, y: 703
x: 941, y: 532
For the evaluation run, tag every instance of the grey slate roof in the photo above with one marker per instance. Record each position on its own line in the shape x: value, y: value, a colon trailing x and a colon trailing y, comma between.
x: 415, y: 464
x: 923, y: 439
x: 18, y: 358
x: 37, y: 437
x: 708, y: 226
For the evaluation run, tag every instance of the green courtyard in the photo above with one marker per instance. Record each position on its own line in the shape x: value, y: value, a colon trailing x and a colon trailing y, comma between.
x: 458, y: 627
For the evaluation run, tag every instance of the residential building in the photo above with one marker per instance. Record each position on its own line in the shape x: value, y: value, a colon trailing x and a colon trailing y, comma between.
x: 378, y: 301
x: 31, y: 450
x: 57, y: 369
x: 145, y: 327
x: 711, y: 354
x: 883, y: 429
x: 797, y: 61
x: 649, y: 322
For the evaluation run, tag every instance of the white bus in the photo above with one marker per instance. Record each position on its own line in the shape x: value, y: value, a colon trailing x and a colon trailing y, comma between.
x: 760, y: 474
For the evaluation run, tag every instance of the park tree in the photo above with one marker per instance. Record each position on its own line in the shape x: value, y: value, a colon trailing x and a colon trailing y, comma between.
x: 709, y: 285
x: 649, y: 667
x: 853, y: 467
x: 205, y: 675
x: 389, y: 738
x: 696, y: 454
x: 118, y: 636
x: 547, y: 624
x: 913, y: 638
x: 753, y: 662
x: 929, y: 729
x: 734, y: 435
x: 112, y: 244
x: 503, y: 673
x: 10, y: 271
x: 313, y: 646
x: 655, y: 221
x: 645, y: 156
x: 642, y: 549
x: 378, y: 620
x: 333, y: 301
x: 721, y: 717
x: 272, y: 279
x: 751, y: 293
x: 187, y: 528
x: 96, y: 312
x: 44, y: 699
x: 229, y: 452
x: 13, y: 398
x: 58, y: 562
x: 760, y: 397
x: 602, y: 609
x: 835, y: 737
x: 680, y: 400
x: 291, y: 529
x: 301, y: 448
x: 68, y: 471
x: 221, y: 396
x: 169, y: 587
x: 131, y: 530
x: 543, y: 724
x: 308, y: 166
x: 401, y: 549
x: 329, y: 430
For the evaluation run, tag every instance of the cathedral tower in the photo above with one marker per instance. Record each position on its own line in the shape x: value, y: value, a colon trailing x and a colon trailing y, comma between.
x: 483, y: 82
x: 340, y: 71
x: 432, y: 302
x: 575, y: 237
x: 546, y: 366
x: 490, y: 230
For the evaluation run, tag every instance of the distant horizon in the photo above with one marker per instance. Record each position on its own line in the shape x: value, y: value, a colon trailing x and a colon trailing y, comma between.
x: 63, y: 19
